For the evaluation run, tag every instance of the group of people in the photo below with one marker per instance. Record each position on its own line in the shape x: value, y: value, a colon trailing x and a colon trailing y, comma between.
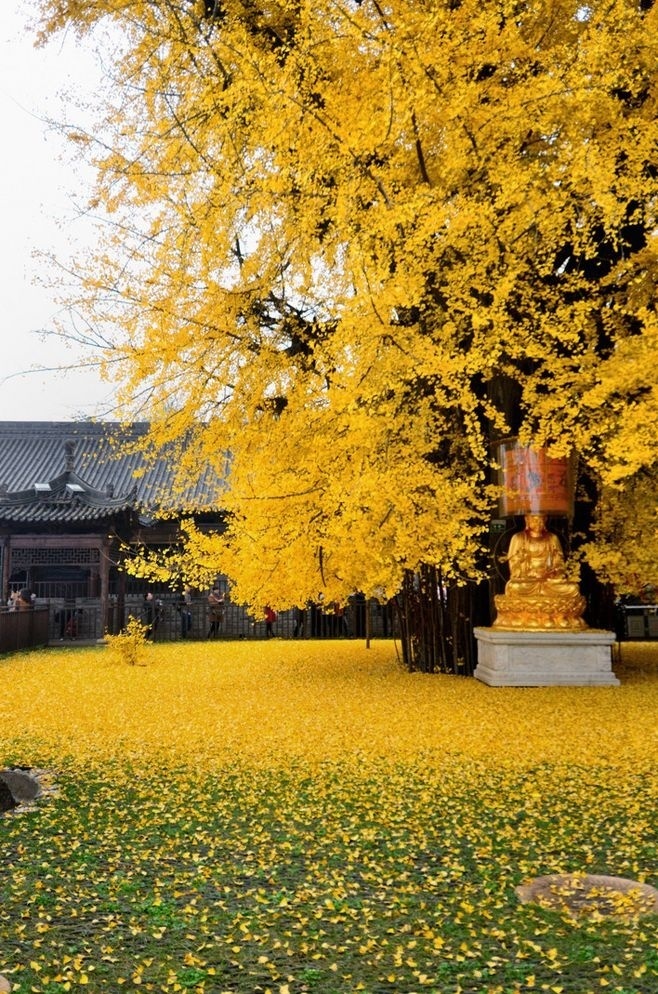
x: 20, y: 600
x: 153, y: 610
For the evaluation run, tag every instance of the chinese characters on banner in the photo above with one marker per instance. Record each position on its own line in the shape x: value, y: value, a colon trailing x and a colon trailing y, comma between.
x: 533, y: 482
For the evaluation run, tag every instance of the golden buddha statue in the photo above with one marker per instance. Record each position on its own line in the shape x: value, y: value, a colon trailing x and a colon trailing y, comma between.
x: 537, y: 594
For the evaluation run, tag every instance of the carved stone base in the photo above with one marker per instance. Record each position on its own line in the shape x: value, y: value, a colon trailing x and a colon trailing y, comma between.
x: 545, y: 658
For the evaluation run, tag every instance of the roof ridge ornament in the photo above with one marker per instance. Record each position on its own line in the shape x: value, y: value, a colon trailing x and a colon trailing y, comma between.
x: 69, y: 449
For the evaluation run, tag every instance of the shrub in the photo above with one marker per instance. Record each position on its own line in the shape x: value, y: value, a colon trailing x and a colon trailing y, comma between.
x: 129, y: 646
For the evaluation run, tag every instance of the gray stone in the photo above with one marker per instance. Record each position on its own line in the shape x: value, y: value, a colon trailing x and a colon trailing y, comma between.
x: 510, y: 658
x: 7, y: 801
x: 22, y: 785
x: 587, y: 893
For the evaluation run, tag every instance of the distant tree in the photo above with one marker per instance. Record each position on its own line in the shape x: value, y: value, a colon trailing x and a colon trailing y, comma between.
x: 352, y: 243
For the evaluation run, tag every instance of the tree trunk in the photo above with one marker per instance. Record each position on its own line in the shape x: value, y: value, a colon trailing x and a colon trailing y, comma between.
x: 436, y: 621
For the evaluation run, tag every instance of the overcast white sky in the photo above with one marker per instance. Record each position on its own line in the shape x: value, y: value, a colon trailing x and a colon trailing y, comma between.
x: 37, y: 213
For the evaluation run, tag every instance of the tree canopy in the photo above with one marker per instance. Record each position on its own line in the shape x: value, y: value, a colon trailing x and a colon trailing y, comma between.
x: 350, y: 243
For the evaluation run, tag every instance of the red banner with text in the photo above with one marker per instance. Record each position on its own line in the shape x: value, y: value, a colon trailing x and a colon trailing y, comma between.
x: 533, y: 482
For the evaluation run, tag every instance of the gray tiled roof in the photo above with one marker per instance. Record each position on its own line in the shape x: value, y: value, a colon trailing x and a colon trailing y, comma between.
x: 93, y: 456
x: 65, y: 498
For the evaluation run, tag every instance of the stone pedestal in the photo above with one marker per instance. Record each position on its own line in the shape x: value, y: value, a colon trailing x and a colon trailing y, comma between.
x: 508, y: 658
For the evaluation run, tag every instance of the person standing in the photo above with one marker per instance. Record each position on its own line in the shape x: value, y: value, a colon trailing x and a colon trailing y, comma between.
x: 25, y: 600
x: 270, y: 618
x: 215, y: 612
x: 185, y: 608
x: 151, y: 614
x: 300, y: 622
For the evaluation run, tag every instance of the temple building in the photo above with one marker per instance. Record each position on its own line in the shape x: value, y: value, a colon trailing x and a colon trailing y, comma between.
x: 72, y: 496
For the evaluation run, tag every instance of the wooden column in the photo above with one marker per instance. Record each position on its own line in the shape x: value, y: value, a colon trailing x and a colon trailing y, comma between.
x: 6, y: 557
x: 105, y: 583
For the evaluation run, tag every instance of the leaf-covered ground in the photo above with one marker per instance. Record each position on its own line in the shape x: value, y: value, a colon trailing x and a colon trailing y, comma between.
x: 308, y: 817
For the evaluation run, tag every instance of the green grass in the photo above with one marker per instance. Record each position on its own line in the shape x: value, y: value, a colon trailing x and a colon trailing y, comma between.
x: 320, y: 881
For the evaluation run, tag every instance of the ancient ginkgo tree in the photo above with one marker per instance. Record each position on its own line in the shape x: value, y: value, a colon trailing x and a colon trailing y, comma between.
x: 350, y: 243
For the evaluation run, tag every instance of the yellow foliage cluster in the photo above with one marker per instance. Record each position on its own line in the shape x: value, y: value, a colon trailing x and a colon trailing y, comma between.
x: 349, y: 243
x: 622, y: 551
x: 129, y: 645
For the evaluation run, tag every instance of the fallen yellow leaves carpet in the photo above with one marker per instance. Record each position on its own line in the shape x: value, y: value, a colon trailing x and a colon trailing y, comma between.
x: 308, y: 818
x: 273, y: 702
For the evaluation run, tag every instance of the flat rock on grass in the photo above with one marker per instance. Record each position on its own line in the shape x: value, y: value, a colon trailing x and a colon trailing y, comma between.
x: 23, y: 786
x: 591, y: 894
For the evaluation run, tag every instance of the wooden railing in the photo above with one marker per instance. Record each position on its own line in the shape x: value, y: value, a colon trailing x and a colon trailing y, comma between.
x: 23, y: 629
